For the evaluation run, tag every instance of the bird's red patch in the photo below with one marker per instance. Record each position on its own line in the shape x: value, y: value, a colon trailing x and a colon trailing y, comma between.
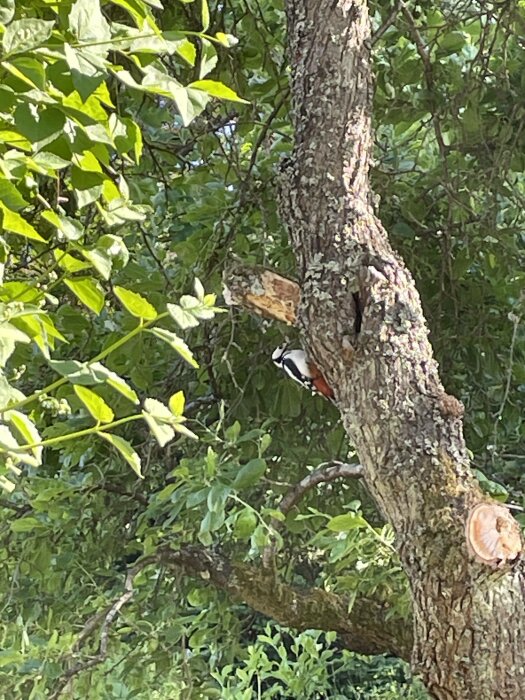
x: 320, y: 383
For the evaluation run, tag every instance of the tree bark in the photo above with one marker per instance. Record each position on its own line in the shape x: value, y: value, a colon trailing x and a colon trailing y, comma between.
x: 362, y: 322
x: 370, y: 629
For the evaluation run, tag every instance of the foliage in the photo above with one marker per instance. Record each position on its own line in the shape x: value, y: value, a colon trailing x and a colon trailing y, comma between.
x: 124, y: 181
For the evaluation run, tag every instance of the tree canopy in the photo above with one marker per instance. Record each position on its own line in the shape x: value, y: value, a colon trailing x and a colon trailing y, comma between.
x: 152, y: 455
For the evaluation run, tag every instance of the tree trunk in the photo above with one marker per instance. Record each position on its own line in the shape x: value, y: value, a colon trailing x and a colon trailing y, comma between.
x: 362, y: 322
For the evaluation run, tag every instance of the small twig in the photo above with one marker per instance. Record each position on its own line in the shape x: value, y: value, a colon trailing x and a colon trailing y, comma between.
x: 108, y: 616
x: 516, y: 321
x: 389, y: 21
x: 154, y: 255
x: 262, y: 136
x: 325, y: 473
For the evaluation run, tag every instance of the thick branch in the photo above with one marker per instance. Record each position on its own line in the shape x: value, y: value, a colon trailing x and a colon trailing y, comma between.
x: 366, y: 629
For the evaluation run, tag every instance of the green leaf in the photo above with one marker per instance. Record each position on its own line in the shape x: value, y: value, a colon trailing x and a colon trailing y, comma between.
x: 27, y: 431
x: 24, y: 34
x: 245, y: 524
x: 69, y: 229
x: 68, y: 263
x: 126, y: 450
x: 158, y: 417
x: 157, y: 409
x: 88, y: 291
x: 95, y: 404
x: 201, y: 309
x: 199, y: 289
x: 100, y: 261
x: 87, y: 70
x: 232, y: 433
x: 217, y: 89
x: 88, y: 24
x: 80, y: 372
x: 120, y: 385
x: 7, y: 11
x: 13, y: 222
x: 249, y: 474
x: 345, y: 522
x: 176, y: 403
x: 205, y: 15
x: 163, y: 84
x: 10, y: 195
x: 208, y: 58
x: 7, y: 330
x: 115, y: 248
x: 8, y: 394
x: 176, y: 343
x: 27, y: 69
x: 186, y: 50
x: 496, y: 490
x: 9, y: 336
x: 50, y: 161
x: 8, y: 486
x: 40, y: 125
x: 26, y: 524
x: 183, y: 430
x: 182, y: 318
x: 135, y: 304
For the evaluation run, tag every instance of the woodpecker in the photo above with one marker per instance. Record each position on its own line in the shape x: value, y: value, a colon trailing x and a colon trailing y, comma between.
x: 302, y: 370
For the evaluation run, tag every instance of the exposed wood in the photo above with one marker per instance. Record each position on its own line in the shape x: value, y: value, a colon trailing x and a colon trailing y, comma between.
x: 493, y: 536
x: 263, y: 291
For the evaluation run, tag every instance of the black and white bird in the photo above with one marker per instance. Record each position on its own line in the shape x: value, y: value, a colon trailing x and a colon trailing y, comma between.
x: 302, y: 370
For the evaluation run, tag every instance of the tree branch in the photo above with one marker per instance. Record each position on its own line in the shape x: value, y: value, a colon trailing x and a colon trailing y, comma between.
x: 368, y: 627
x: 107, y: 617
x: 325, y: 473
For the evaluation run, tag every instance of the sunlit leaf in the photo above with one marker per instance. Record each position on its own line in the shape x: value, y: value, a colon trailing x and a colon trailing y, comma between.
x: 12, y: 221
x: 95, y: 404
x: 205, y: 15
x: 217, y: 89
x: 158, y: 417
x: 87, y: 22
x: 88, y: 291
x: 135, y: 304
x: 125, y: 449
x: 176, y: 343
x: 176, y: 403
x: 26, y: 34
x: 183, y: 318
x: 27, y: 431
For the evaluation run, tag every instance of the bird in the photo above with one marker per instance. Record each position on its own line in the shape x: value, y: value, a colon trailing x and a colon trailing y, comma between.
x: 302, y: 370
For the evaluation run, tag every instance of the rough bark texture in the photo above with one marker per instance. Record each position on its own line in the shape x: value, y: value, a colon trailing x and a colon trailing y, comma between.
x: 369, y: 630
x: 362, y: 322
